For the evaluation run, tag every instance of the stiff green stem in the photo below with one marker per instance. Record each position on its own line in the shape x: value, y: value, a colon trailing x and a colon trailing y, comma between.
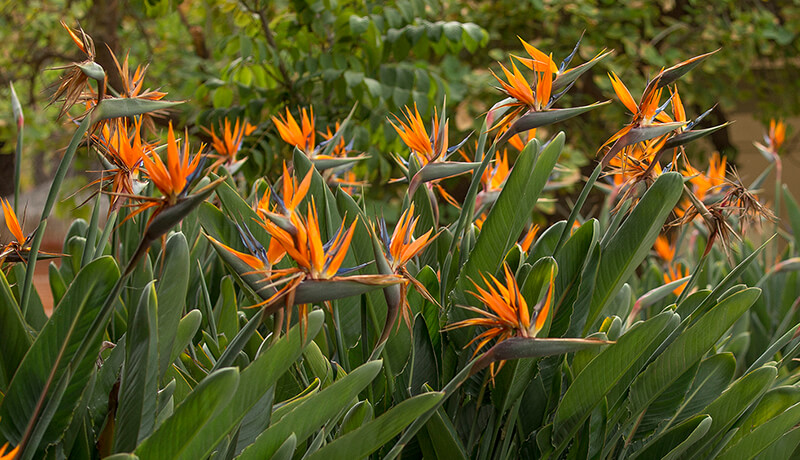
x: 341, y: 348
x: 412, y: 429
x: 693, y: 279
x: 573, y: 215
x: 55, y: 188
x: 18, y: 165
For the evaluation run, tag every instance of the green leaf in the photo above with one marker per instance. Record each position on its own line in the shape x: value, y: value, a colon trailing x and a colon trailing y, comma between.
x: 723, y: 286
x: 425, y: 369
x: 358, y: 415
x: 313, y: 412
x: 571, y: 260
x: 53, y: 350
x: 730, y: 405
x: 688, y: 348
x: 173, y: 283
x: 534, y: 120
x: 187, y: 328
x: 783, y: 447
x: 226, y: 310
x: 632, y: 242
x: 286, y: 451
x: 139, y: 379
x: 603, y: 373
x: 672, y: 443
x: 763, y: 435
x: 794, y: 215
x: 774, y: 402
x: 370, y: 437
x: 173, y: 437
x: 444, y: 438
x: 712, y: 378
x: 254, y: 382
x: 57, y: 284
x: 16, y: 339
x: 128, y: 107
x: 505, y: 222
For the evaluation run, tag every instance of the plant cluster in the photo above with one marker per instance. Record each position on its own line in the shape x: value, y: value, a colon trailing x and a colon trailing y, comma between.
x: 215, y: 317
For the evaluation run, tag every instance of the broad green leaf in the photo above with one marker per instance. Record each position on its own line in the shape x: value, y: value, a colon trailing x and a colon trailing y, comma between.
x: 57, y: 284
x: 730, y: 405
x: 774, y: 402
x: 425, y: 369
x: 602, y: 373
x: 632, y: 242
x: 782, y: 448
x: 136, y: 413
x: 505, y: 222
x: 53, y: 349
x: 688, y: 348
x: 763, y: 435
x: 571, y: 260
x: 314, y: 412
x: 723, y: 286
x: 358, y: 415
x: 187, y: 328
x: 173, y: 283
x: 286, y: 450
x: 677, y: 440
x: 171, y: 439
x: 127, y: 107
x: 226, y: 310
x: 16, y: 339
x: 443, y: 437
x: 370, y: 437
x: 712, y: 378
x: 794, y: 215
x: 254, y: 382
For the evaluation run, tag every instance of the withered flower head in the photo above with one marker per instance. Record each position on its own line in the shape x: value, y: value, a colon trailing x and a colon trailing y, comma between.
x: 73, y: 85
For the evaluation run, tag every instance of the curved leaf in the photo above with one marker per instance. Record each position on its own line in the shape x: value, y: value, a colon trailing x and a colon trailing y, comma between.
x: 254, y: 382
x: 370, y: 437
x: 688, y: 348
x: 53, y: 350
x: 313, y: 412
x: 172, y: 437
x: 603, y: 373
x: 632, y: 242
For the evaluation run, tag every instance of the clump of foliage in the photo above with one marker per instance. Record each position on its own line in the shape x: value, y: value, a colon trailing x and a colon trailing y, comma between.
x: 216, y: 316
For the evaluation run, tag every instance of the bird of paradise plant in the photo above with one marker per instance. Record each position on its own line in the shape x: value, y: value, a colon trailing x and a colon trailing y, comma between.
x: 674, y: 273
x: 133, y: 88
x: 531, y: 103
x: 300, y: 135
x: 17, y: 249
x: 74, y: 83
x: 124, y: 150
x: 534, y: 97
x: 228, y: 144
x: 428, y: 162
x: 398, y: 249
x: 507, y: 313
x: 664, y: 249
x: 6, y: 454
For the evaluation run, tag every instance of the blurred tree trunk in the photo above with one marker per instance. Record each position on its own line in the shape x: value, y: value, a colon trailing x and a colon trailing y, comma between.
x: 104, y: 18
x: 7, y: 175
